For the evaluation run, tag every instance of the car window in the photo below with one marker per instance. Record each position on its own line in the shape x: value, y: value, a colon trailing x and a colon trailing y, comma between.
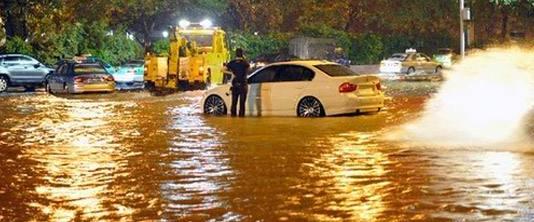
x: 265, y: 75
x: 292, y: 73
x: 25, y: 60
x: 411, y: 57
x: 62, y: 70
x: 398, y: 57
x: 95, y: 68
x: 336, y: 70
x: 420, y: 57
x: 11, y: 60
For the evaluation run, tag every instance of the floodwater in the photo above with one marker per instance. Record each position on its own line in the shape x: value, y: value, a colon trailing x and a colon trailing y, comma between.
x: 133, y: 156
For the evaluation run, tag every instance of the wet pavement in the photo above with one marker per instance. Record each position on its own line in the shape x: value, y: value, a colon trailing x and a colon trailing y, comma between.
x: 133, y: 156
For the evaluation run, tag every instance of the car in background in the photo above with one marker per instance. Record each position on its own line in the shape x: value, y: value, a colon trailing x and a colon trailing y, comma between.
x: 302, y: 88
x: 80, y: 77
x: 130, y: 75
x: 445, y: 57
x: 410, y: 63
x: 21, y: 70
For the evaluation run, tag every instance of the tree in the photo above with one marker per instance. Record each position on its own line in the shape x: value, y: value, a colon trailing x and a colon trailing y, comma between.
x: 507, y: 8
x: 143, y: 17
x: 2, y: 33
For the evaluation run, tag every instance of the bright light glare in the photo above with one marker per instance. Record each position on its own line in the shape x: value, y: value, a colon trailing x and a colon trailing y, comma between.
x: 184, y: 23
x: 483, y: 102
x: 206, y: 23
x: 165, y: 34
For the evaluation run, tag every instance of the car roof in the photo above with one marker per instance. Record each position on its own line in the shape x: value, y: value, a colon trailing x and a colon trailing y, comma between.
x: 305, y: 63
x: 5, y: 55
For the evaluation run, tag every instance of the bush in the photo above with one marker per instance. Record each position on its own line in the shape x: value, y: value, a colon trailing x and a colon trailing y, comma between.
x: 19, y: 46
x: 342, y: 38
x: 366, y: 49
x: 257, y: 45
x: 118, y: 48
x: 161, y: 47
x: 78, y: 38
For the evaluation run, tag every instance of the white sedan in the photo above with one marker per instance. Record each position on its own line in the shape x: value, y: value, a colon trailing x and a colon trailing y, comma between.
x: 301, y: 88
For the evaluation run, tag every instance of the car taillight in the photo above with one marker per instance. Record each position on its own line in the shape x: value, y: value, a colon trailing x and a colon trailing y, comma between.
x: 78, y: 79
x: 109, y: 78
x: 379, y: 86
x: 347, y: 87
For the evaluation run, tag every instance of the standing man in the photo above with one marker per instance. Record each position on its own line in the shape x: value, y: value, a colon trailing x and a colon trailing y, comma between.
x: 240, y: 68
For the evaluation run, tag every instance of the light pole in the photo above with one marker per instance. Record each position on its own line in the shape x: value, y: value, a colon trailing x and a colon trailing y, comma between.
x: 462, y: 29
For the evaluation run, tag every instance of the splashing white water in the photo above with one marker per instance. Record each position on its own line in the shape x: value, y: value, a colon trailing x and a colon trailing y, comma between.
x: 485, y: 101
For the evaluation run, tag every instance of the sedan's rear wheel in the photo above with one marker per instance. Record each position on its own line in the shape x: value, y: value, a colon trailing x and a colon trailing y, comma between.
x: 310, y: 107
x: 438, y: 70
x: 215, y: 106
x: 411, y: 70
x: 3, y: 84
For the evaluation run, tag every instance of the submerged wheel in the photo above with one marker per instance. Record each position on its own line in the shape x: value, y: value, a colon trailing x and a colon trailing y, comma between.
x: 3, y: 84
x: 310, y: 107
x: 215, y: 106
x: 411, y: 70
x: 438, y: 70
x: 48, y: 89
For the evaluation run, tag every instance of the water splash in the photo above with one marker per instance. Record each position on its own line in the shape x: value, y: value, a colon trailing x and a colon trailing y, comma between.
x: 486, y: 100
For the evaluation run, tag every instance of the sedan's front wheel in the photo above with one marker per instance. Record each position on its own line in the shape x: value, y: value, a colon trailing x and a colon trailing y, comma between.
x: 310, y: 107
x: 3, y: 84
x: 48, y: 89
x: 215, y: 106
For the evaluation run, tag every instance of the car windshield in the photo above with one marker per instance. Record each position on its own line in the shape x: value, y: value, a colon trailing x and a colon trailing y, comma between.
x: 81, y: 69
x: 398, y: 57
x: 444, y: 51
x: 336, y: 70
x: 134, y: 64
x: 200, y: 40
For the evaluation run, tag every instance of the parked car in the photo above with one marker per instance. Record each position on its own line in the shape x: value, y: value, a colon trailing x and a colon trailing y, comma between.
x: 130, y: 75
x: 21, y: 70
x: 410, y: 63
x: 304, y: 89
x: 445, y: 57
x: 80, y: 77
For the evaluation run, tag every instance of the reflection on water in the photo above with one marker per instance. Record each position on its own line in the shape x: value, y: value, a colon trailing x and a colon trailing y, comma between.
x: 135, y: 157
x: 356, y: 174
x: 199, y: 169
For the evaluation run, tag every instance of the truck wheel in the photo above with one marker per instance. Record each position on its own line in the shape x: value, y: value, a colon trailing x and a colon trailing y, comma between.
x: 4, y: 82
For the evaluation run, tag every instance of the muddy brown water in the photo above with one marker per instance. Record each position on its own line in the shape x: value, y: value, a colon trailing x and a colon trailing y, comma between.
x: 132, y: 156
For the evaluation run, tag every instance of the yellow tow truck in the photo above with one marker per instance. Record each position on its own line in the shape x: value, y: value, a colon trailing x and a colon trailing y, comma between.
x: 196, y: 59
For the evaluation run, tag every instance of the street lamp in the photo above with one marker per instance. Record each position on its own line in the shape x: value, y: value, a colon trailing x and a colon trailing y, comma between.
x: 184, y: 23
x: 206, y: 23
x: 462, y: 29
x: 465, y: 15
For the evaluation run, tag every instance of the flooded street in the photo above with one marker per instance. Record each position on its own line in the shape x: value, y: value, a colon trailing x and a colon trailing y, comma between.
x: 133, y: 156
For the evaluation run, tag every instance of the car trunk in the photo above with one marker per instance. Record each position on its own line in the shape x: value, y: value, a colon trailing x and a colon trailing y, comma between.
x: 93, y: 78
x: 367, y: 85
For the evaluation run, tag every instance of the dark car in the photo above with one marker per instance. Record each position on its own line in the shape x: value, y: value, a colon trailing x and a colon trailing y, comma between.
x: 80, y: 77
x: 21, y: 70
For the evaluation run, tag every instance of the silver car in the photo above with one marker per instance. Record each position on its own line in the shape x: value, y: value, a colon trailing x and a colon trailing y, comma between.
x: 21, y: 70
x: 409, y: 63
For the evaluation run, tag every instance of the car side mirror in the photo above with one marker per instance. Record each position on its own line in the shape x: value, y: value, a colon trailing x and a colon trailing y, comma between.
x: 37, y: 65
